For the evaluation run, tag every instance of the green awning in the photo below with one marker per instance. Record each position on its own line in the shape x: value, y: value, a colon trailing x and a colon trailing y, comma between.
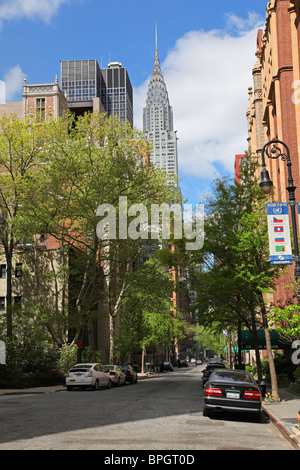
x: 277, y: 341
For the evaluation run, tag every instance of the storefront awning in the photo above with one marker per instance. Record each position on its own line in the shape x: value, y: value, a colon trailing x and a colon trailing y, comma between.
x: 277, y: 341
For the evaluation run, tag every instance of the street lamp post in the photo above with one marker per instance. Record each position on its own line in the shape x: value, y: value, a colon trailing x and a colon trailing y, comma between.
x: 273, y: 150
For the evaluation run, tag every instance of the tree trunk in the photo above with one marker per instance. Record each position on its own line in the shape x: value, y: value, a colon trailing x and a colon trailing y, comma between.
x: 273, y: 375
x: 9, y: 319
x: 111, y: 338
x: 91, y: 339
x: 143, y: 360
x: 257, y: 353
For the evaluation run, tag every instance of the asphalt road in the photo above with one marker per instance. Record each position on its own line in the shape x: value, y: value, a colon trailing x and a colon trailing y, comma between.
x: 160, y: 413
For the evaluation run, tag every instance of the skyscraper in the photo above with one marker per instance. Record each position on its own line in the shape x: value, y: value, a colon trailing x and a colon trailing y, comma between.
x: 116, y: 92
x: 158, y: 122
x: 80, y: 79
x: 83, y: 81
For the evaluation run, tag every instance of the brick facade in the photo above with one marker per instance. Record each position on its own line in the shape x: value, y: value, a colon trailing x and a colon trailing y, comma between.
x: 274, y: 103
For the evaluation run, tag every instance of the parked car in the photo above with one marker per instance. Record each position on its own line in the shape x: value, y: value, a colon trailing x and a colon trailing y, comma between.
x: 167, y: 365
x: 131, y: 374
x: 209, y: 369
x: 216, y: 359
x: 232, y: 390
x: 184, y: 363
x: 198, y: 362
x: 116, y: 375
x: 87, y: 375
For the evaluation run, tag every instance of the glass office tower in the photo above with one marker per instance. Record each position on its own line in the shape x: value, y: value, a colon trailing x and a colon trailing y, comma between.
x: 80, y: 79
x: 116, y: 92
x: 83, y: 80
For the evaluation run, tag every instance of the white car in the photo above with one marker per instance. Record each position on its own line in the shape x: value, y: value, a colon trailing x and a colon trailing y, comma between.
x: 117, y: 376
x: 87, y: 375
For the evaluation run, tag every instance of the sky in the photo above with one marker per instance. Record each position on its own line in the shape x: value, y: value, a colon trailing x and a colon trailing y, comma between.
x: 206, y: 51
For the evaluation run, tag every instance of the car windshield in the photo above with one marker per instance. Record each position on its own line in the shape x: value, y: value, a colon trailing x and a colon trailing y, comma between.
x: 230, y: 377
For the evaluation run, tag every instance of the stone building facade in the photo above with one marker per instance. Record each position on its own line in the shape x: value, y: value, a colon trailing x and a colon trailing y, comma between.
x: 274, y: 104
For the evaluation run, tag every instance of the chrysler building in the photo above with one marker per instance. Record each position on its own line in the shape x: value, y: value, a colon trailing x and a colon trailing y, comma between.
x: 158, y: 123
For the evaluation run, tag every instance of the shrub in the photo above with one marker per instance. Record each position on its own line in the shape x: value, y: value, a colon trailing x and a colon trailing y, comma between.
x: 297, y: 374
x: 284, y: 368
x: 67, y: 357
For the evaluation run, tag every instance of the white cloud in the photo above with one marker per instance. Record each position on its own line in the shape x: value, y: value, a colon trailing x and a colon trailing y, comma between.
x: 29, y: 9
x: 2, y: 92
x: 13, y: 80
x: 207, y: 74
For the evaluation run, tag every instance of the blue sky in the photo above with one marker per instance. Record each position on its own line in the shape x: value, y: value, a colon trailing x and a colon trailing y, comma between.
x: 206, y: 50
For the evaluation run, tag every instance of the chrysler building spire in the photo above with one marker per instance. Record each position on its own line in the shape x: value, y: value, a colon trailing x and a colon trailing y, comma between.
x: 158, y: 121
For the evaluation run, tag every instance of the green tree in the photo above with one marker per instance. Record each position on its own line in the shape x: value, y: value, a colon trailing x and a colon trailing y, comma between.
x: 236, y: 272
x: 98, y: 161
x: 147, y: 320
x: 22, y: 159
x: 286, y: 320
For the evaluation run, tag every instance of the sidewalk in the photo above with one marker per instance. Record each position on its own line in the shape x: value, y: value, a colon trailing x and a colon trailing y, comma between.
x: 284, y: 415
x: 53, y: 389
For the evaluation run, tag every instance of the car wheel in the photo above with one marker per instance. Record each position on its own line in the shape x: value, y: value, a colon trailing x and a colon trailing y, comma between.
x: 118, y: 383
x: 96, y: 386
x: 258, y: 417
x: 109, y: 384
x: 206, y: 411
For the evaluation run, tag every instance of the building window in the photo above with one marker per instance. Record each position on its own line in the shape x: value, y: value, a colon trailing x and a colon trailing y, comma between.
x: 3, y: 271
x: 41, y: 108
x: 2, y: 303
x: 18, y: 270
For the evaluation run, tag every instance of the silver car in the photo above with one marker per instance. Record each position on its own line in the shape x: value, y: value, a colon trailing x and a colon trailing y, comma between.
x: 117, y: 376
x: 88, y: 375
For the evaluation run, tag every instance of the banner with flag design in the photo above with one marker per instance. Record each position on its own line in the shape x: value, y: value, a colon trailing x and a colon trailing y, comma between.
x: 279, y: 233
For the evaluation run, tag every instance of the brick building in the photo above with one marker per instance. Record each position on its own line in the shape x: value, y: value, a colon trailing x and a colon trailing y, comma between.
x: 274, y: 103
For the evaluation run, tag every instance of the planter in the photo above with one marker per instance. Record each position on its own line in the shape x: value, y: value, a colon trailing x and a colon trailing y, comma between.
x: 272, y: 402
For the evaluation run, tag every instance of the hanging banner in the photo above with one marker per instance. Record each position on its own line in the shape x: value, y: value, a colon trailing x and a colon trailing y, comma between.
x: 279, y: 233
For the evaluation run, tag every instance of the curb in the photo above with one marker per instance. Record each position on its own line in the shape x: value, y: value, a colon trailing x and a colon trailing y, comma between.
x: 291, y: 438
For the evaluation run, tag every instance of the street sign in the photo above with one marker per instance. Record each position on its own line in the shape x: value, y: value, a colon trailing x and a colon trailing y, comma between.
x: 279, y: 233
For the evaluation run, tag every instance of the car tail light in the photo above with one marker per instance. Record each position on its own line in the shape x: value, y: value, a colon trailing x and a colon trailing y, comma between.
x: 206, y: 374
x: 90, y: 374
x: 112, y: 372
x: 214, y: 392
x: 254, y: 394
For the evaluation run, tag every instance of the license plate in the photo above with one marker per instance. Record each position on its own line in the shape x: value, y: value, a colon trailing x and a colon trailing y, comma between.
x: 232, y: 395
